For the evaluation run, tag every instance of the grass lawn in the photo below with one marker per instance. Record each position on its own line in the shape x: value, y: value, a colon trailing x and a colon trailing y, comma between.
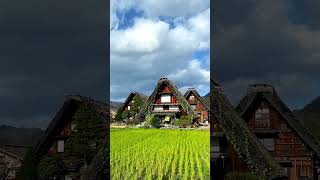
x: 159, y: 154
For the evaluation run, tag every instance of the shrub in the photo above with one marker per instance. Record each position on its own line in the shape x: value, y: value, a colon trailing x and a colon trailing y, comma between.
x: 118, y: 116
x: 50, y: 167
x: 124, y: 114
x: 152, y: 120
x: 185, y: 121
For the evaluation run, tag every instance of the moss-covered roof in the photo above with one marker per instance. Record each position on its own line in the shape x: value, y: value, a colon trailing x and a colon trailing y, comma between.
x: 166, y: 82
x: 205, y: 103
x: 247, y: 146
x: 70, y: 106
x: 267, y: 92
x: 143, y: 97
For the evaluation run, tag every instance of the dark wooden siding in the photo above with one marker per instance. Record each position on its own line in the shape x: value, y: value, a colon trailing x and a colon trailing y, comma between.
x: 287, y: 145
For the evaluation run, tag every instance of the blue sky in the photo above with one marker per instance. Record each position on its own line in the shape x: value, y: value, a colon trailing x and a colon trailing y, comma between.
x: 150, y: 39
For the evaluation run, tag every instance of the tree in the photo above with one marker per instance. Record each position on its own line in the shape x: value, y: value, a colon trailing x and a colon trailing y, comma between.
x: 137, y: 104
x: 124, y: 114
x: 118, y: 116
x: 89, y: 134
x: 50, y: 167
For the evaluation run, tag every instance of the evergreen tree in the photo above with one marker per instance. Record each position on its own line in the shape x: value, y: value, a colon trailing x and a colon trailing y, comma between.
x: 137, y: 104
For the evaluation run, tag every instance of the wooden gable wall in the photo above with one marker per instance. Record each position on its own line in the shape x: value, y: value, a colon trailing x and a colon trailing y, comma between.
x: 288, y: 147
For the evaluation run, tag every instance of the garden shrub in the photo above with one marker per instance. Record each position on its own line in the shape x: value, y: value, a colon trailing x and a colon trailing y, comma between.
x: 185, y: 121
x: 176, y: 122
x: 118, y: 116
x: 152, y: 120
x: 50, y: 167
x: 124, y: 114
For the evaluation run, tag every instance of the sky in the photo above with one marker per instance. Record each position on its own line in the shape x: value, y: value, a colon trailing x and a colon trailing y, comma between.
x: 150, y: 39
x: 268, y: 41
x: 49, y: 49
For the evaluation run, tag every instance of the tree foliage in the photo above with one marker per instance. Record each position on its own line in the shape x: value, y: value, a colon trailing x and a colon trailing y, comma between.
x: 50, y: 167
x: 124, y: 114
x: 184, y: 121
x: 152, y: 120
x: 88, y: 136
x: 118, y: 116
x: 84, y: 142
x: 137, y: 104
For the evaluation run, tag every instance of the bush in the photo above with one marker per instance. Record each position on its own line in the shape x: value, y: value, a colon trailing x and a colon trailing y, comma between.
x: 50, y: 167
x: 118, y: 116
x: 242, y: 176
x: 124, y: 114
x: 176, y: 122
x: 185, y: 121
x: 152, y: 120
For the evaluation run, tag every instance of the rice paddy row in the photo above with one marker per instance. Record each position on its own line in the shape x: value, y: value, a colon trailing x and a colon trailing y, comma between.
x: 159, y: 154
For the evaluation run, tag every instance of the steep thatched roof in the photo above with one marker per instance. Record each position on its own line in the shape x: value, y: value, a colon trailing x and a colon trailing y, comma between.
x: 268, y: 93
x: 70, y: 106
x: 201, y: 99
x: 166, y: 82
x: 143, y: 97
x: 248, y: 147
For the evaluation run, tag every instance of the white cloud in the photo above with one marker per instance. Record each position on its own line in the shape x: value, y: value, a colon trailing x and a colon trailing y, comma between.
x: 145, y: 36
x: 192, y: 74
x: 150, y: 49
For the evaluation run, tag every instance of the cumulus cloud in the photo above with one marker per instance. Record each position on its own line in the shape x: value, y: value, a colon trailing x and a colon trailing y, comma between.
x: 153, y: 47
x: 145, y: 36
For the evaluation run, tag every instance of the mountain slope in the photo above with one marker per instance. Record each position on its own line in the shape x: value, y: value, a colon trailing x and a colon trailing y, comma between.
x: 18, y: 140
x: 310, y: 116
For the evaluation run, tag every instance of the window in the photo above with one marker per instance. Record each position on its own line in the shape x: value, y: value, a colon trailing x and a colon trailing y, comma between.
x: 194, y: 106
x: 165, y: 107
x: 166, y: 98
x: 262, y: 117
x: 192, y: 97
x: 60, y: 145
x: 129, y: 107
x: 268, y: 143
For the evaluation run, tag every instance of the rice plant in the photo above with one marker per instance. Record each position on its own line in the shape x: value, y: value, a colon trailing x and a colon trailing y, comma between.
x: 159, y: 154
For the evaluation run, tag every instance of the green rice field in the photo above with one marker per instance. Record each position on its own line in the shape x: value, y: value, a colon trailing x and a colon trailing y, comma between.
x: 159, y: 154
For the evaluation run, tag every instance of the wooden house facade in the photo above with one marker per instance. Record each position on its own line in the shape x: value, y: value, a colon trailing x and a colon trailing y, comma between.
x: 233, y: 147
x: 198, y: 104
x: 61, y: 128
x: 271, y: 121
x: 167, y: 103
